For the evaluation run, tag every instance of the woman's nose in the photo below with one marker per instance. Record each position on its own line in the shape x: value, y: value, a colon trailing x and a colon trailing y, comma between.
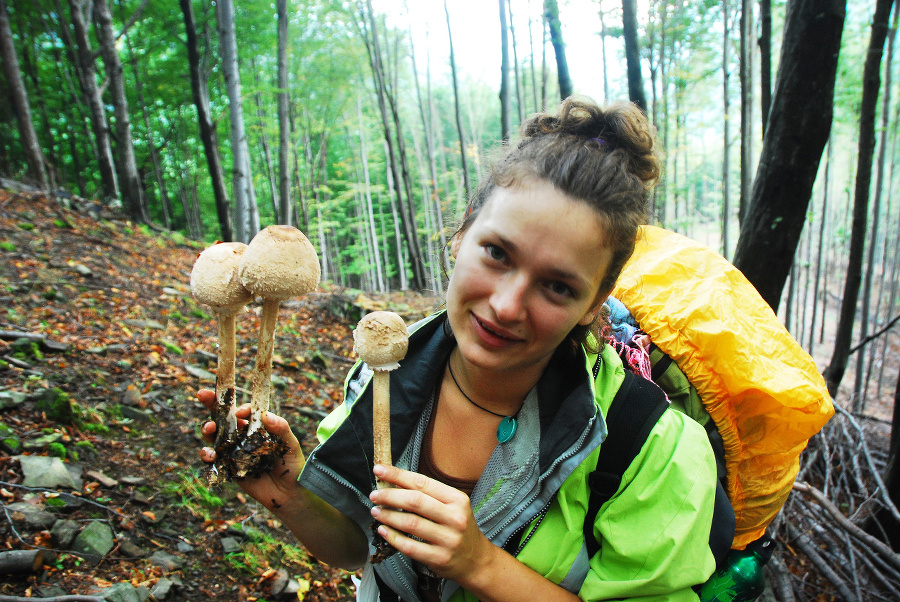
x: 508, y: 298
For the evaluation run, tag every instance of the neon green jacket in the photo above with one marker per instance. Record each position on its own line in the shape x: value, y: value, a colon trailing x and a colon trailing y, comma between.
x: 654, y: 531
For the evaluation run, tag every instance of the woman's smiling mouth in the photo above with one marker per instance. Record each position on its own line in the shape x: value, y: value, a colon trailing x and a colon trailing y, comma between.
x: 493, y: 334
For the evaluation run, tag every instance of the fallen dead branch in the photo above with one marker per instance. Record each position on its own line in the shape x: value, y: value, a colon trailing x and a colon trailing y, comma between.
x: 831, y: 542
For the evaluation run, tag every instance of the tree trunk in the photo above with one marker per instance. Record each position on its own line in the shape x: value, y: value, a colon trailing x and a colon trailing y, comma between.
x: 164, y: 201
x: 604, y: 63
x: 765, y: 60
x: 746, y: 75
x: 262, y: 119
x: 433, y: 198
x: 726, y: 107
x: 520, y: 102
x: 88, y: 73
x: 662, y: 188
x: 799, y: 124
x: 860, y: 384
x: 633, y: 55
x: 52, y: 161
x: 504, y: 76
x: 370, y: 213
x: 551, y: 13
x: 534, y: 84
x: 544, y: 67
x: 834, y: 373
x: 284, y: 131
x: 132, y: 189
x: 459, y: 129
x: 207, y: 130
x: 823, y: 218
x: 883, y: 517
x: 34, y: 157
x: 246, y: 212
x: 401, y: 180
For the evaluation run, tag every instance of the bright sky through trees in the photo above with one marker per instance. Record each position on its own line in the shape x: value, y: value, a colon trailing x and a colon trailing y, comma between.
x: 476, y: 38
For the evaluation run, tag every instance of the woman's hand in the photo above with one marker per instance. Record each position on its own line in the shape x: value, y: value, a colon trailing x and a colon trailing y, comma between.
x: 275, y: 488
x: 453, y: 546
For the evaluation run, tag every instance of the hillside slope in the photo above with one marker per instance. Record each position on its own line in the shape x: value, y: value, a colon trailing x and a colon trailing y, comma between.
x: 97, y: 319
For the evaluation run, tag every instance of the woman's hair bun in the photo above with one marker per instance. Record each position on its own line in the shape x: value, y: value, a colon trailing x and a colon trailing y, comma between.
x: 618, y: 125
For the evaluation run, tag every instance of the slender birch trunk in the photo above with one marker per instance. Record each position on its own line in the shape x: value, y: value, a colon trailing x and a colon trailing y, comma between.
x: 34, y: 156
x: 132, y: 188
x: 246, y: 212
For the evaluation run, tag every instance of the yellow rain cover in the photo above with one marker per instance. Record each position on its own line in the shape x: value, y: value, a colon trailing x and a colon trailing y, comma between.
x: 761, y: 388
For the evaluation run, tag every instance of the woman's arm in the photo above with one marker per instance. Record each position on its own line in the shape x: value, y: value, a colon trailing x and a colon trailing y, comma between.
x: 452, y: 544
x: 654, y: 533
x: 325, y: 532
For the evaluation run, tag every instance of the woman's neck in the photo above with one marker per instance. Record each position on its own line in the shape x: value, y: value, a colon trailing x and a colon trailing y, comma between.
x: 498, y: 391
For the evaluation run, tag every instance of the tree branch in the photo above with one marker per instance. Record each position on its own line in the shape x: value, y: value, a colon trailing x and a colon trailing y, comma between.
x: 875, y: 335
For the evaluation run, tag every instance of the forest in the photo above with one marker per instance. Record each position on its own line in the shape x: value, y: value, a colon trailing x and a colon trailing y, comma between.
x: 367, y: 125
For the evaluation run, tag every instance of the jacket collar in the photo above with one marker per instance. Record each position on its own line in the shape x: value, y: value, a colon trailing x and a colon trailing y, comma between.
x: 565, y: 396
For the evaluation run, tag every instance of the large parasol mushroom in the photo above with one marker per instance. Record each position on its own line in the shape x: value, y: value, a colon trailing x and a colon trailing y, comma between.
x: 279, y: 263
x: 381, y: 340
x: 215, y: 282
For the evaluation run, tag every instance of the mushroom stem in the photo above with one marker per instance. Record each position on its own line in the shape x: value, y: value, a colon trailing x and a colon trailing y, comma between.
x: 225, y: 406
x: 260, y: 386
x: 381, y: 420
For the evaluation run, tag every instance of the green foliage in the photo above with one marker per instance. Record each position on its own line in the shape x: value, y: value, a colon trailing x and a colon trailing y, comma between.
x: 9, y: 441
x: 57, y: 450
x: 7, y: 246
x: 58, y: 406
x: 85, y: 445
x: 172, y: 347
x: 261, y: 548
x: 26, y: 226
x: 96, y: 427
x: 190, y: 492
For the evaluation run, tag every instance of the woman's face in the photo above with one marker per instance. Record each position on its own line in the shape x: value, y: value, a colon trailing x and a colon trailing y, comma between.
x: 528, y: 270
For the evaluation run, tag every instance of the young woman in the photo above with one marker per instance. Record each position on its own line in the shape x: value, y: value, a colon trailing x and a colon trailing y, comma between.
x: 497, y: 409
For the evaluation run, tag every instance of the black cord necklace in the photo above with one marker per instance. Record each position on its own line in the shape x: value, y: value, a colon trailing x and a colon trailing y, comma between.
x: 507, y: 428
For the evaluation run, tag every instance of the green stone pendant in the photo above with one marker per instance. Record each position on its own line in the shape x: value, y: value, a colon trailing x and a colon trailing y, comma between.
x: 507, y: 429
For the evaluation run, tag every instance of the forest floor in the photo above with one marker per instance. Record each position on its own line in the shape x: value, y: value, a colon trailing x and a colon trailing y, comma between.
x: 121, y: 336
x: 116, y: 334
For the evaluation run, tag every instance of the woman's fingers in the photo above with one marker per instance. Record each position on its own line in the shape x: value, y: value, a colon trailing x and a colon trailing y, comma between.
x: 208, y: 398
x: 208, y: 454
x: 414, y: 481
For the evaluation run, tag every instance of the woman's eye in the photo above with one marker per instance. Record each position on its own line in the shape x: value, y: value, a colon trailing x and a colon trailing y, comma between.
x: 560, y: 288
x: 495, y: 252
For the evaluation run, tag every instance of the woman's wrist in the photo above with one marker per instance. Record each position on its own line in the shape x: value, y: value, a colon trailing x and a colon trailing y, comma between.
x: 500, y: 577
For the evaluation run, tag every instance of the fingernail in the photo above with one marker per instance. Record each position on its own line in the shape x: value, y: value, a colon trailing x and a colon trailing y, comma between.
x: 379, y: 469
x: 376, y: 510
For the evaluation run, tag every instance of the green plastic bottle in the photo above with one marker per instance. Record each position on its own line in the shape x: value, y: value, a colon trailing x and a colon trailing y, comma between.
x: 740, y: 579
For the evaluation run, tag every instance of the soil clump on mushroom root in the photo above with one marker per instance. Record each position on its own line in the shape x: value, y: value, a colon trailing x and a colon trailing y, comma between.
x: 118, y: 341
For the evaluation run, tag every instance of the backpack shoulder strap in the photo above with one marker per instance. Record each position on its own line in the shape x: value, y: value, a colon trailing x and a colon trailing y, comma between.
x: 632, y: 414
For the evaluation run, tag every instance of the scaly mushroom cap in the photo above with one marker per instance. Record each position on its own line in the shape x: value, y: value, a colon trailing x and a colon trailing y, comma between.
x: 214, y: 277
x: 279, y: 263
x: 381, y: 339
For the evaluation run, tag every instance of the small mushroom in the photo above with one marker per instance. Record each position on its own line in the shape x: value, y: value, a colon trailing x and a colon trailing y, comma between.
x: 279, y: 263
x: 381, y: 340
x: 215, y: 282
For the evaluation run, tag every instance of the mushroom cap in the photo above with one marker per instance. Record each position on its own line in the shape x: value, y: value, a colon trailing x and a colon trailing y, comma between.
x: 279, y: 263
x: 214, y: 277
x: 381, y: 339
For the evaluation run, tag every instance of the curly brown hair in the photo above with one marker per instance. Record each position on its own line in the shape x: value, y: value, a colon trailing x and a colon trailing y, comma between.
x: 604, y: 156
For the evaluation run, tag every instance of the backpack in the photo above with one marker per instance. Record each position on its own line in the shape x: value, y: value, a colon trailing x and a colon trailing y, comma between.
x: 722, y: 357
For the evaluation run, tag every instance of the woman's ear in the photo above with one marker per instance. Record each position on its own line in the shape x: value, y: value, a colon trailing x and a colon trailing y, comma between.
x: 594, y: 311
x: 454, y: 244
